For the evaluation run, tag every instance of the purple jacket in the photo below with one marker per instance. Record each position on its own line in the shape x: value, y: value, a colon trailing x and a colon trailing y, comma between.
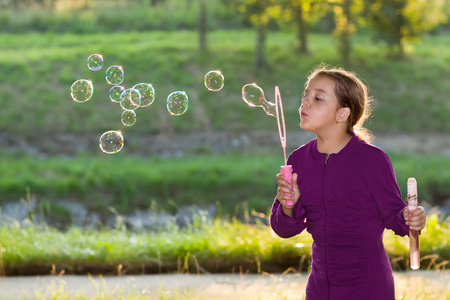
x: 347, y: 200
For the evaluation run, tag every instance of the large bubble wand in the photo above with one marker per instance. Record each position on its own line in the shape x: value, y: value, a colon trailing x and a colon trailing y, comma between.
x: 286, y: 170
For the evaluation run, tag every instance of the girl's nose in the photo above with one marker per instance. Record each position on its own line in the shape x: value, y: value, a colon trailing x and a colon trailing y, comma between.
x: 305, y: 102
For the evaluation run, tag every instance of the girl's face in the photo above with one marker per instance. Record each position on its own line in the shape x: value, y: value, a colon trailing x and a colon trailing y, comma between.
x: 319, y: 107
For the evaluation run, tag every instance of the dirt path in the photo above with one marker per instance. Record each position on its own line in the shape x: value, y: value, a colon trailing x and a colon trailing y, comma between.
x: 429, y: 285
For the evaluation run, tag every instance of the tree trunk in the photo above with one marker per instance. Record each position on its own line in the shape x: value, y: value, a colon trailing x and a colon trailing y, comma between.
x: 399, y: 22
x: 346, y: 46
x: 202, y: 26
x: 260, y: 60
x: 301, y: 29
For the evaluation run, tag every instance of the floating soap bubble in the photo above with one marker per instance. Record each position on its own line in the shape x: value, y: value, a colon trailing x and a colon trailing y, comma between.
x: 214, y: 81
x: 128, y: 117
x: 95, y: 62
x: 147, y: 93
x: 270, y: 108
x: 115, y: 93
x: 177, y: 103
x: 253, y: 95
x: 131, y: 99
x: 111, y: 142
x: 115, y: 75
x: 81, y: 90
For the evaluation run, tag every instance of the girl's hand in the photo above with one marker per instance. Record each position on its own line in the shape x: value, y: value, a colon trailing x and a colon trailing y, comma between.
x: 416, y: 219
x: 286, y: 192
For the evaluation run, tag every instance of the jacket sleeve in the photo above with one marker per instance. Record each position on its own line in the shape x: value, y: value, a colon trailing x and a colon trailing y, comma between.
x: 387, y: 195
x: 285, y: 226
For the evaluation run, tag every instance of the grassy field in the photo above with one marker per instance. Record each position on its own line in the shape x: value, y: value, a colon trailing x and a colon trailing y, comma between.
x: 38, y: 70
x: 234, y: 180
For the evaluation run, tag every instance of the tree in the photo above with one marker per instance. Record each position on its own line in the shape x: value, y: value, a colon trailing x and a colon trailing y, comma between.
x: 303, y: 13
x: 398, y: 22
x: 347, y: 14
x: 258, y: 12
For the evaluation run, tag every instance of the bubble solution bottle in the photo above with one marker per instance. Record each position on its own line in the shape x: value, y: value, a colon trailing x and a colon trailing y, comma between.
x: 413, y: 234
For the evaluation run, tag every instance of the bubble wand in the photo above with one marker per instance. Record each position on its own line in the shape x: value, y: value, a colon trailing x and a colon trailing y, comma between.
x: 414, y: 254
x: 286, y: 170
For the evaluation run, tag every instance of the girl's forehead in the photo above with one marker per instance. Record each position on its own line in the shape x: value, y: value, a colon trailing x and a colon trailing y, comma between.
x: 321, y: 83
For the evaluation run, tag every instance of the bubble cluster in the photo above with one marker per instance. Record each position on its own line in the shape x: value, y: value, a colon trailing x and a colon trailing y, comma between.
x: 81, y: 90
x: 214, y: 81
x: 95, y: 62
x: 111, y: 142
x: 143, y: 95
x: 115, y: 75
x: 177, y: 103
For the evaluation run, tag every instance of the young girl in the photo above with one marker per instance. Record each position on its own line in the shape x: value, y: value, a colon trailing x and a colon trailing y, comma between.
x: 344, y: 192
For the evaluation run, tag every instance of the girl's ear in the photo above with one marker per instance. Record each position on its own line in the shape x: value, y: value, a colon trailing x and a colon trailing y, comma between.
x: 342, y: 114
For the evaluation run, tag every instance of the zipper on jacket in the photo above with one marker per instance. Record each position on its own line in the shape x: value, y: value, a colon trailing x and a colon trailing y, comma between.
x: 326, y: 224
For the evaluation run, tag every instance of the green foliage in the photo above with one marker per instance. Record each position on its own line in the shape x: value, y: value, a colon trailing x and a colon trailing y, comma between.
x: 218, y: 246
x: 399, y: 22
x: 112, y: 16
x: 126, y: 183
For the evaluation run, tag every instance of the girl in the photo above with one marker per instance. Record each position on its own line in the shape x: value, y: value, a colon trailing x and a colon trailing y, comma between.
x: 344, y: 192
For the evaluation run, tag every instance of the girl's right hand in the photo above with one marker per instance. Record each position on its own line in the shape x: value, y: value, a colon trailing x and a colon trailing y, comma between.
x: 287, y: 192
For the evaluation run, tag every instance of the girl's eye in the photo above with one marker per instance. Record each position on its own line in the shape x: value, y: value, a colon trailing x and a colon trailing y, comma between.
x: 318, y: 99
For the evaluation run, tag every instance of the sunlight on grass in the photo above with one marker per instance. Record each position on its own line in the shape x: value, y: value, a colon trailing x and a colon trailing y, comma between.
x: 206, y: 246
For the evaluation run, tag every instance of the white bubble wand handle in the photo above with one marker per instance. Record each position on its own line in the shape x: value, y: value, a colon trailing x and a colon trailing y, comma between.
x: 286, y: 170
x: 414, y: 254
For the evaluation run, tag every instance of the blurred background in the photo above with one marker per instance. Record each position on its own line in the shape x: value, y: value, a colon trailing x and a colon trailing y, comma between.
x: 221, y: 153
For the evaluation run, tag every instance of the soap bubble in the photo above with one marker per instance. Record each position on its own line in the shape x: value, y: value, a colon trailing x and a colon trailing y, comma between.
x: 253, y: 95
x: 81, y: 90
x: 115, y: 93
x: 147, y: 93
x: 111, y: 142
x: 270, y: 108
x: 95, y: 62
x: 115, y: 75
x: 177, y: 103
x: 131, y: 99
x: 214, y: 81
x: 128, y: 117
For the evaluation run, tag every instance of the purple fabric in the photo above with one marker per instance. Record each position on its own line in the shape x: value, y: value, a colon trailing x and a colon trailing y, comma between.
x: 346, y: 203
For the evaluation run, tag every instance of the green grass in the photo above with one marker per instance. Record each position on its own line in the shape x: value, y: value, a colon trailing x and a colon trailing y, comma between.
x: 214, y: 246
x: 126, y: 183
x: 38, y: 70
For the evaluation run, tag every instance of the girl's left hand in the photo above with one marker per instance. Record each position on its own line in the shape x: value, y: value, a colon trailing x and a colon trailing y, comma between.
x: 416, y: 219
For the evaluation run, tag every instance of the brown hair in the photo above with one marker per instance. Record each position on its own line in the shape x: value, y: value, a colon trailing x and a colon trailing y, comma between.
x: 350, y: 92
